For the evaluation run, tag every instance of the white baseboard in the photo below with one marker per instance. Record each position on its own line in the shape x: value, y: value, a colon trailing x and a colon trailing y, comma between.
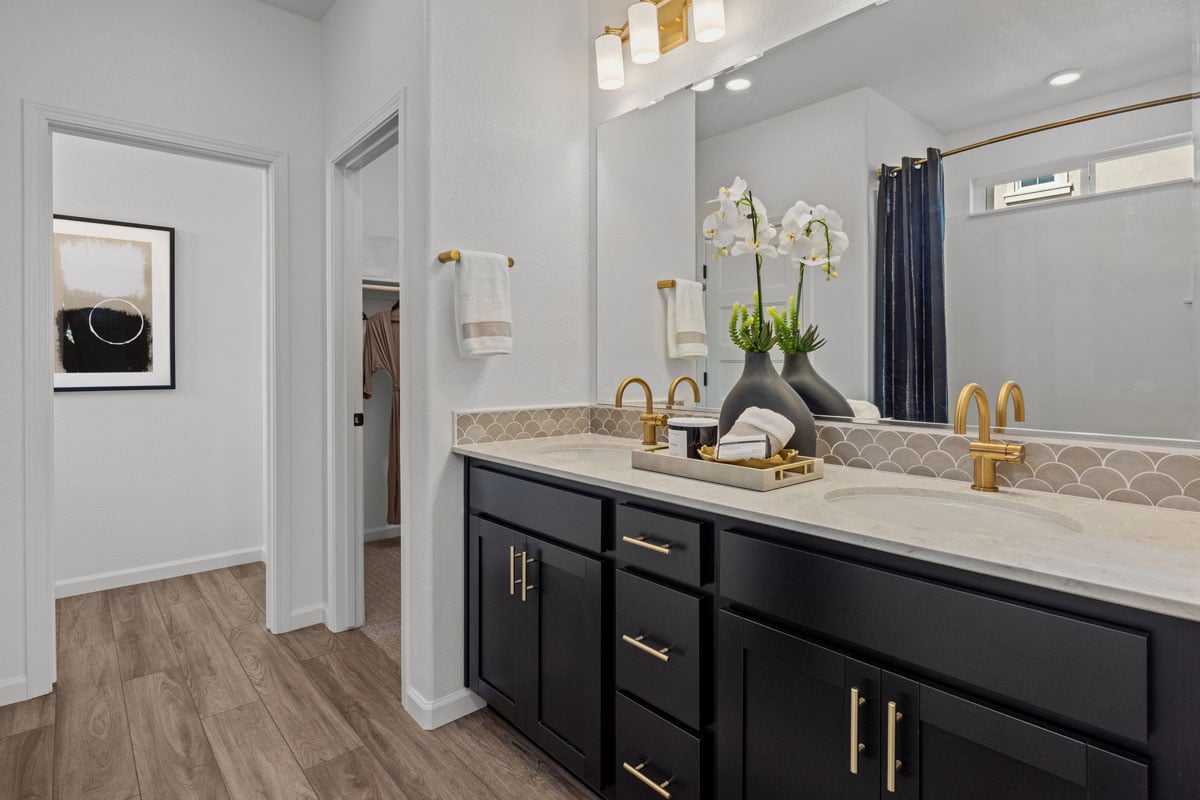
x: 13, y: 690
x: 303, y: 617
x: 155, y: 572
x: 436, y: 713
x: 386, y: 532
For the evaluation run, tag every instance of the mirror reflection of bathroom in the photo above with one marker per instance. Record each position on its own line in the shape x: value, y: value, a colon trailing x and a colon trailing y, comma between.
x: 377, y: 233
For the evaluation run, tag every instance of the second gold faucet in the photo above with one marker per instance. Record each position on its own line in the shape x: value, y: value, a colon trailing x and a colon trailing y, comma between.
x: 651, y: 421
x: 985, y: 452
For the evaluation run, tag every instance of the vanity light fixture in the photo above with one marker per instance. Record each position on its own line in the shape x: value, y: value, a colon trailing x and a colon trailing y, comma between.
x: 704, y: 85
x: 737, y: 84
x: 1065, y: 77
x: 654, y: 27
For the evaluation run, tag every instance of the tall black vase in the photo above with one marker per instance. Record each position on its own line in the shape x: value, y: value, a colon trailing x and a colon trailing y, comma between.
x: 818, y: 394
x: 761, y: 386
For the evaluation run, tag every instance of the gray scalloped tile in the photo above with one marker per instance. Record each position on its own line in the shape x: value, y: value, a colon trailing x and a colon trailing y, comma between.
x: 1183, y: 469
x: 1056, y: 474
x: 906, y: 457
x: 1037, y: 453
x: 1079, y: 490
x: 831, y: 434
x: 823, y: 448
x: 832, y: 459
x: 956, y: 475
x: 860, y: 437
x: 956, y: 446
x: 890, y: 466
x: 1156, y: 486
x: 922, y: 470
x: 860, y: 463
x: 1080, y: 459
x: 1180, y: 503
x: 939, y: 461
x: 1034, y: 484
x: 874, y: 454
x: 922, y: 443
x: 1014, y: 471
x: 1129, y: 496
x: 889, y: 440
x: 1129, y: 463
x: 1105, y: 480
x: 1192, y: 490
x: 845, y: 451
x: 1002, y: 481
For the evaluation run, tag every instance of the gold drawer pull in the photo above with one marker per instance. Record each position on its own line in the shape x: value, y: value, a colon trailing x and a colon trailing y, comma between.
x: 893, y: 763
x: 512, y: 575
x: 525, y: 587
x: 659, y: 788
x: 856, y: 747
x: 640, y: 541
x: 637, y: 642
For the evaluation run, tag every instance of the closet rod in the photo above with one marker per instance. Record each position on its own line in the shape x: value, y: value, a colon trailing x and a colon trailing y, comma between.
x: 1179, y: 98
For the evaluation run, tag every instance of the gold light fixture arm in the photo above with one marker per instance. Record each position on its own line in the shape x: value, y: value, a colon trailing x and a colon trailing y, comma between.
x: 672, y: 24
x: 1010, y: 389
x: 675, y: 385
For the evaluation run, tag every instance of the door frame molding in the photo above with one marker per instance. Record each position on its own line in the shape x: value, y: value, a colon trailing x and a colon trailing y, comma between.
x: 40, y: 121
x: 343, y: 523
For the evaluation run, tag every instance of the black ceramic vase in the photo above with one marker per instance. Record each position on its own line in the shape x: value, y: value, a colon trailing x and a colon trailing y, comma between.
x: 818, y: 394
x: 761, y: 386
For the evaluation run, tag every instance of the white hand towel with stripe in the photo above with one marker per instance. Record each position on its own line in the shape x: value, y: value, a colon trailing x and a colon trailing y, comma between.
x: 687, y: 332
x: 483, y: 305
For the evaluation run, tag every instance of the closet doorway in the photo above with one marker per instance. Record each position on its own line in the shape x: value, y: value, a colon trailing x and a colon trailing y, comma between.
x: 365, y: 319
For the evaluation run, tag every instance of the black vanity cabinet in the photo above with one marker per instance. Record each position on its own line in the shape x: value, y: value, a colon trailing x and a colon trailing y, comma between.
x: 658, y: 651
x: 535, y: 634
x: 802, y: 720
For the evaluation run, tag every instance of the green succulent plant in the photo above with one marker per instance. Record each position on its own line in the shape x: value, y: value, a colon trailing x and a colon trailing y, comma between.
x: 749, y: 330
x: 787, y: 331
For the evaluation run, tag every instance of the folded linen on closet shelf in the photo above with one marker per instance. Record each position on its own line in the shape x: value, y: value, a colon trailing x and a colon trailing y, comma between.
x: 687, y: 332
x: 482, y: 304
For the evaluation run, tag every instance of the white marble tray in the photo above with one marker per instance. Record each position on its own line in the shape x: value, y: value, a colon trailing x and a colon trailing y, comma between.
x: 801, y: 470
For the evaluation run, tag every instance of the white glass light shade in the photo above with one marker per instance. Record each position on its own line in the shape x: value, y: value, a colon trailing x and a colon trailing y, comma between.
x: 708, y: 17
x: 610, y: 63
x: 643, y: 33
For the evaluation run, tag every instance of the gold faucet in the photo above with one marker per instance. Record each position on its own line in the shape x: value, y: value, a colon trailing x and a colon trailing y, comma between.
x: 675, y: 385
x: 1013, y: 389
x: 651, y: 422
x: 985, y: 452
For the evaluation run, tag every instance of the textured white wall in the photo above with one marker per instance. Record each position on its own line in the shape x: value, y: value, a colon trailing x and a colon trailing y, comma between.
x: 227, y: 69
x: 143, y: 478
x: 646, y: 231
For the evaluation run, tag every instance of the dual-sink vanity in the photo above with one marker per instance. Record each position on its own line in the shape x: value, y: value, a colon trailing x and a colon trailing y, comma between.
x: 868, y: 635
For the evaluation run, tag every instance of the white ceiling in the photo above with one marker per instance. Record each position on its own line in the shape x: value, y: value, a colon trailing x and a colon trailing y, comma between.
x: 960, y: 64
x: 313, y: 9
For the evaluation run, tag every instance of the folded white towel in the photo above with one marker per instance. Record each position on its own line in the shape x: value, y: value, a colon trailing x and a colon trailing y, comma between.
x: 864, y: 409
x: 755, y: 420
x: 687, y: 333
x: 482, y: 304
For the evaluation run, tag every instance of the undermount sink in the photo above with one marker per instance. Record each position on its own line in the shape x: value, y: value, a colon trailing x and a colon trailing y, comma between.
x: 580, y: 452
x: 951, y: 512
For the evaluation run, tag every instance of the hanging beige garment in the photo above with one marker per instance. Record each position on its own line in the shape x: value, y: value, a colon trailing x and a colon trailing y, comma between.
x: 381, y: 350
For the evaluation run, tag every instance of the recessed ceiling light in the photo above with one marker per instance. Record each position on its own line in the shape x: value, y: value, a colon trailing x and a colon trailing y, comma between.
x: 704, y: 85
x: 737, y: 84
x: 1067, y: 76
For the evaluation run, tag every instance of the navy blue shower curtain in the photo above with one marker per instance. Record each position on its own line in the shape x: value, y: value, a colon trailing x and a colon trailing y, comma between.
x: 910, y: 295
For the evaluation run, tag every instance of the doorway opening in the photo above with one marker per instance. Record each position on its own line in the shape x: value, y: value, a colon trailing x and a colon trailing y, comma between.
x: 365, y: 378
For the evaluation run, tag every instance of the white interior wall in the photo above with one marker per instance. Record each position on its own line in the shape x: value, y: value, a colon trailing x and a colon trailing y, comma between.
x: 227, y: 69
x: 645, y: 208
x: 1098, y: 285
x: 380, y: 197
x: 145, y: 478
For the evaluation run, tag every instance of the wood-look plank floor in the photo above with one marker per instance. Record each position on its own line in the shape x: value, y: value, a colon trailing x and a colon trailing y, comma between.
x: 174, y: 689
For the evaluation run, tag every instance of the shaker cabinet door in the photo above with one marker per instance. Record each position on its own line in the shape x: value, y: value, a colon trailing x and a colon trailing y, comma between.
x: 785, y: 717
x: 496, y: 618
x: 565, y: 635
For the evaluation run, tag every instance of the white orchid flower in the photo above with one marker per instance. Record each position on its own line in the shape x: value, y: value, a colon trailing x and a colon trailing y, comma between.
x: 719, y: 227
x: 794, y: 223
x: 832, y: 218
x: 756, y: 246
x: 734, y: 192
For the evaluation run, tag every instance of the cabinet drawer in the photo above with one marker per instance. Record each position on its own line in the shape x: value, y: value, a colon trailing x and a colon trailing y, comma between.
x: 574, y: 518
x: 669, y: 546
x: 1078, y: 669
x: 657, y: 618
x: 662, y: 755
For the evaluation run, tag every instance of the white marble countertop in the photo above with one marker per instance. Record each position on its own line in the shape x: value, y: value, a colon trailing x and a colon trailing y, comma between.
x: 1136, y: 556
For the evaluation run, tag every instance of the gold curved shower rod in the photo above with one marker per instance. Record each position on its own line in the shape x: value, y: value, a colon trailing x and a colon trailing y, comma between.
x: 1179, y: 98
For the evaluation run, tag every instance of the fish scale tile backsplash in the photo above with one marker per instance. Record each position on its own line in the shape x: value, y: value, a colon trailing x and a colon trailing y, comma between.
x: 1169, y: 478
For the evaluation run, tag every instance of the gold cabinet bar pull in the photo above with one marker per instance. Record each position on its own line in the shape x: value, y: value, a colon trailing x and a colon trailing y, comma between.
x: 893, y: 763
x: 640, y: 541
x: 659, y: 788
x: 856, y: 747
x: 512, y: 570
x: 525, y: 587
x: 637, y: 641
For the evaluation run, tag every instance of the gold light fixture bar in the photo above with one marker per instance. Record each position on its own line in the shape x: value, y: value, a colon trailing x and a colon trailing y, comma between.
x: 1049, y: 126
x: 672, y: 25
x: 455, y: 255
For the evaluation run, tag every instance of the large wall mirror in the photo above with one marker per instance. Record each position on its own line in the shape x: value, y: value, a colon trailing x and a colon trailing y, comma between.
x: 1071, y: 255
